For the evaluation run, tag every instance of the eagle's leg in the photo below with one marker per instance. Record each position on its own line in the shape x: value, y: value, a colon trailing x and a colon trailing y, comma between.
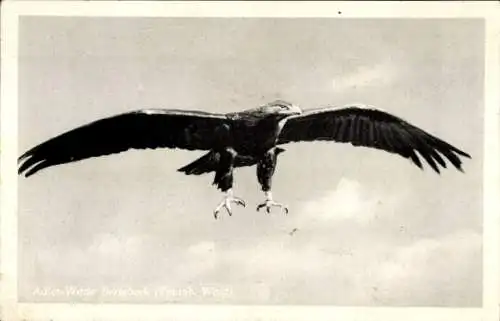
x: 224, y: 181
x: 265, y: 171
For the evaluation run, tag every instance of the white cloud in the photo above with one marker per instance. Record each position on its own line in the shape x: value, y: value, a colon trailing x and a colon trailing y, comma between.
x: 337, y: 256
x: 381, y: 74
x: 443, y: 271
x: 199, y: 258
x: 336, y: 247
x: 204, y: 248
x: 116, y: 246
x: 349, y: 201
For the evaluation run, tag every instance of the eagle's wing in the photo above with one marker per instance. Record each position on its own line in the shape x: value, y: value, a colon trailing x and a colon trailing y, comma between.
x: 151, y: 128
x: 369, y: 127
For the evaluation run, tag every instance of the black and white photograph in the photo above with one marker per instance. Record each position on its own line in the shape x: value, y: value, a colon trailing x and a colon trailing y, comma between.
x: 181, y: 160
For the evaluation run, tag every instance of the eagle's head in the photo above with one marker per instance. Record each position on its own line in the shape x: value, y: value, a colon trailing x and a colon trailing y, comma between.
x: 280, y: 107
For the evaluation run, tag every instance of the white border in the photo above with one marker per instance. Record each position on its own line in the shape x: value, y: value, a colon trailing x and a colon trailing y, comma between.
x: 12, y: 310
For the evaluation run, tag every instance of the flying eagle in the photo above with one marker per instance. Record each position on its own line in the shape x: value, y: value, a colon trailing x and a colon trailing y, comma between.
x: 246, y: 138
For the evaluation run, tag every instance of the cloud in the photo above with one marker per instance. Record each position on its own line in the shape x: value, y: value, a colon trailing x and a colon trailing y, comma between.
x: 443, y: 271
x: 199, y: 258
x: 430, y: 272
x: 337, y: 255
x: 381, y: 74
x: 348, y: 201
x: 107, y: 244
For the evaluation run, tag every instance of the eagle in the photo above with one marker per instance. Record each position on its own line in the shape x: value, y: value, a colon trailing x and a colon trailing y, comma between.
x: 246, y: 138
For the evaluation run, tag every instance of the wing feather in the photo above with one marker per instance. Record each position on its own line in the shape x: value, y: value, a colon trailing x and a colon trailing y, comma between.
x: 370, y: 127
x: 365, y: 132
x: 336, y: 127
x: 142, y: 129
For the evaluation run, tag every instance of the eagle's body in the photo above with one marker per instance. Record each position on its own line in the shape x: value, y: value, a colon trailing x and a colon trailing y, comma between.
x: 247, y: 138
x: 240, y: 139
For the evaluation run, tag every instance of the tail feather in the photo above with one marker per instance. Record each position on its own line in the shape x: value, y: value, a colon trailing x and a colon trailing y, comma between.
x: 210, y: 161
x: 205, y: 164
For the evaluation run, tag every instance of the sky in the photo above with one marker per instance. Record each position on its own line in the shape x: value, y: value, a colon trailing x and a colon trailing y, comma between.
x: 365, y: 228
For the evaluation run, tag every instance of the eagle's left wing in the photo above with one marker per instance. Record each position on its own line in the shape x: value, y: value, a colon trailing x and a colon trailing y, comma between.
x: 140, y: 129
x: 373, y: 128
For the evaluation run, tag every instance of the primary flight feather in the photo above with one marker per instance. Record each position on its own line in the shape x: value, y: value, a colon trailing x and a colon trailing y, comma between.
x: 245, y: 138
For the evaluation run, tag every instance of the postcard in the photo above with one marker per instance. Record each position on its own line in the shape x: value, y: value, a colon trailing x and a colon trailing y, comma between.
x: 250, y: 160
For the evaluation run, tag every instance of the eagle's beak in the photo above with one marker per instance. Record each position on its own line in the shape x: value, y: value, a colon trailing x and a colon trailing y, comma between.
x: 291, y: 110
x: 295, y: 110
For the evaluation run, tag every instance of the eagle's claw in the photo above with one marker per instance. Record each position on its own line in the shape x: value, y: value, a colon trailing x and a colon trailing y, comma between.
x: 268, y: 204
x: 226, y: 203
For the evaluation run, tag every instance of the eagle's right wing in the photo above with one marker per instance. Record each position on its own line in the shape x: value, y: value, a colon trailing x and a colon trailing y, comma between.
x: 142, y: 129
x: 370, y: 127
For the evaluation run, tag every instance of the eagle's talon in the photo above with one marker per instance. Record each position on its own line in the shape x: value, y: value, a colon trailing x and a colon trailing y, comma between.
x: 226, y: 203
x: 239, y: 201
x: 268, y: 204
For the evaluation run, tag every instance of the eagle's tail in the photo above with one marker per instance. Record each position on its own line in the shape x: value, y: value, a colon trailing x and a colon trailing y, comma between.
x: 210, y: 161
x: 205, y: 164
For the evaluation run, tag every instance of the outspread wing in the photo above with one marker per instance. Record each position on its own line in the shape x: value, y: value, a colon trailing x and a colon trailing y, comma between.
x: 373, y: 128
x: 142, y: 129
